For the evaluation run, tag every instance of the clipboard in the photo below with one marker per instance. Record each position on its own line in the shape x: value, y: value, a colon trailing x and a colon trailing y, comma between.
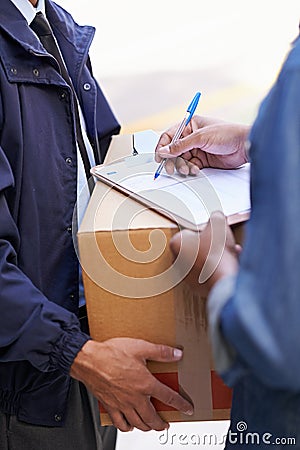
x: 187, y: 201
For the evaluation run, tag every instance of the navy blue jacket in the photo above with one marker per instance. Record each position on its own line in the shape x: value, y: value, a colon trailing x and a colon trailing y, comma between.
x: 39, y: 331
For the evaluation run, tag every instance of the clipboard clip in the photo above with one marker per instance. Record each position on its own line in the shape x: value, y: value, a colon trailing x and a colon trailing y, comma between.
x: 134, y: 150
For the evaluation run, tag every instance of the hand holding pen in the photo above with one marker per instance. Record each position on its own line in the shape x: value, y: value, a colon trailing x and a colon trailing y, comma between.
x: 185, y: 121
x: 207, y: 142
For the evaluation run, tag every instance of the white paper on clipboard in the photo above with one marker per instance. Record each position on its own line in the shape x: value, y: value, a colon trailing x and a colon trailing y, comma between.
x: 189, y: 200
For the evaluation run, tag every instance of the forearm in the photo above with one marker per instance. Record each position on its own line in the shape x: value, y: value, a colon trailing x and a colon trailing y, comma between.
x: 32, y: 328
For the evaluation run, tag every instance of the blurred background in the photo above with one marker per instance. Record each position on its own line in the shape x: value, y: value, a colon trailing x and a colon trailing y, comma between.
x: 151, y: 57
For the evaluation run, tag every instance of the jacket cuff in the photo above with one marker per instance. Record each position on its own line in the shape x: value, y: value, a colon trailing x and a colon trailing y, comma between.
x: 66, y: 348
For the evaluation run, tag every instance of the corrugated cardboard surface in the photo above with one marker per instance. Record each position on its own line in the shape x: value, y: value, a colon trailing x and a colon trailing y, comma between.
x: 120, y: 268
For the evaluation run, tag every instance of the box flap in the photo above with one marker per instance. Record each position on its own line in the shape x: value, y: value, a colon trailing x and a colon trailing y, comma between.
x: 108, y: 210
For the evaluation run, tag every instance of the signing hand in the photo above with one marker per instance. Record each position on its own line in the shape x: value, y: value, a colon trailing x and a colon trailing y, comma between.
x: 115, y: 372
x: 206, y: 142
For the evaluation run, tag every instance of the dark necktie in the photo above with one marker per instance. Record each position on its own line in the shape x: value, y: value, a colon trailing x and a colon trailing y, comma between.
x: 42, y: 28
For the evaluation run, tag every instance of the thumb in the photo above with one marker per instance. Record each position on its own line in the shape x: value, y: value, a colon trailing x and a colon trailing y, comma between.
x: 161, y: 353
x: 177, y: 148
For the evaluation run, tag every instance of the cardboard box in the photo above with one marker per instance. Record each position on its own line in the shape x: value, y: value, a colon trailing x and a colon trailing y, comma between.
x: 131, y: 291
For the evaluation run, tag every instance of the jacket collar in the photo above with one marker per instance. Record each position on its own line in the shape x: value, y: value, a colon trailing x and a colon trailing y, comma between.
x: 28, y: 10
x: 74, y: 40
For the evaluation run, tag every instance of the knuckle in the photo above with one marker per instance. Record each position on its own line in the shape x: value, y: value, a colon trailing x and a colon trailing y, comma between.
x: 157, y: 425
x: 151, y: 418
x: 155, y: 422
x: 138, y: 421
x: 170, y: 399
x: 120, y: 423
x: 143, y: 389
x: 169, y: 167
x: 121, y: 427
x: 176, y: 148
x: 143, y: 427
x: 149, y: 386
x: 218, y: 220
x: 164, y: 351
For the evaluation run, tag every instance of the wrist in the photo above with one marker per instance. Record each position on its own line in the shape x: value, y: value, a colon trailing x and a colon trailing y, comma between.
x: 245, y: 130
x: 227, y: 268
x: 216, y: 277
x: 83, y: 361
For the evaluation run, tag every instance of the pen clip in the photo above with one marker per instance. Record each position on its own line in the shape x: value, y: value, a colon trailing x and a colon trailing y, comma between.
x: 192, y: 107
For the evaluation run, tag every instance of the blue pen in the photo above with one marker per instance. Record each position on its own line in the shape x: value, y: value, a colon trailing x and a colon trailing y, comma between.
x: 185, y: 121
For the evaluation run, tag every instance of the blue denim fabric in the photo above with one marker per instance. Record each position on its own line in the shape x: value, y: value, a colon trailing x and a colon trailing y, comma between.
x: 261, y: 320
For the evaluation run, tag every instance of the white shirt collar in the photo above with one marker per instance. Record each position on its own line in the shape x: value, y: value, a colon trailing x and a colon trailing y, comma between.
x: 28, y: 10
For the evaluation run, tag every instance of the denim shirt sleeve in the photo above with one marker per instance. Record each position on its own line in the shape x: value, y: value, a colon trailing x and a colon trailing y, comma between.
x: 259, y: 321
x: 31, y: 327
x: 225, y: 356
